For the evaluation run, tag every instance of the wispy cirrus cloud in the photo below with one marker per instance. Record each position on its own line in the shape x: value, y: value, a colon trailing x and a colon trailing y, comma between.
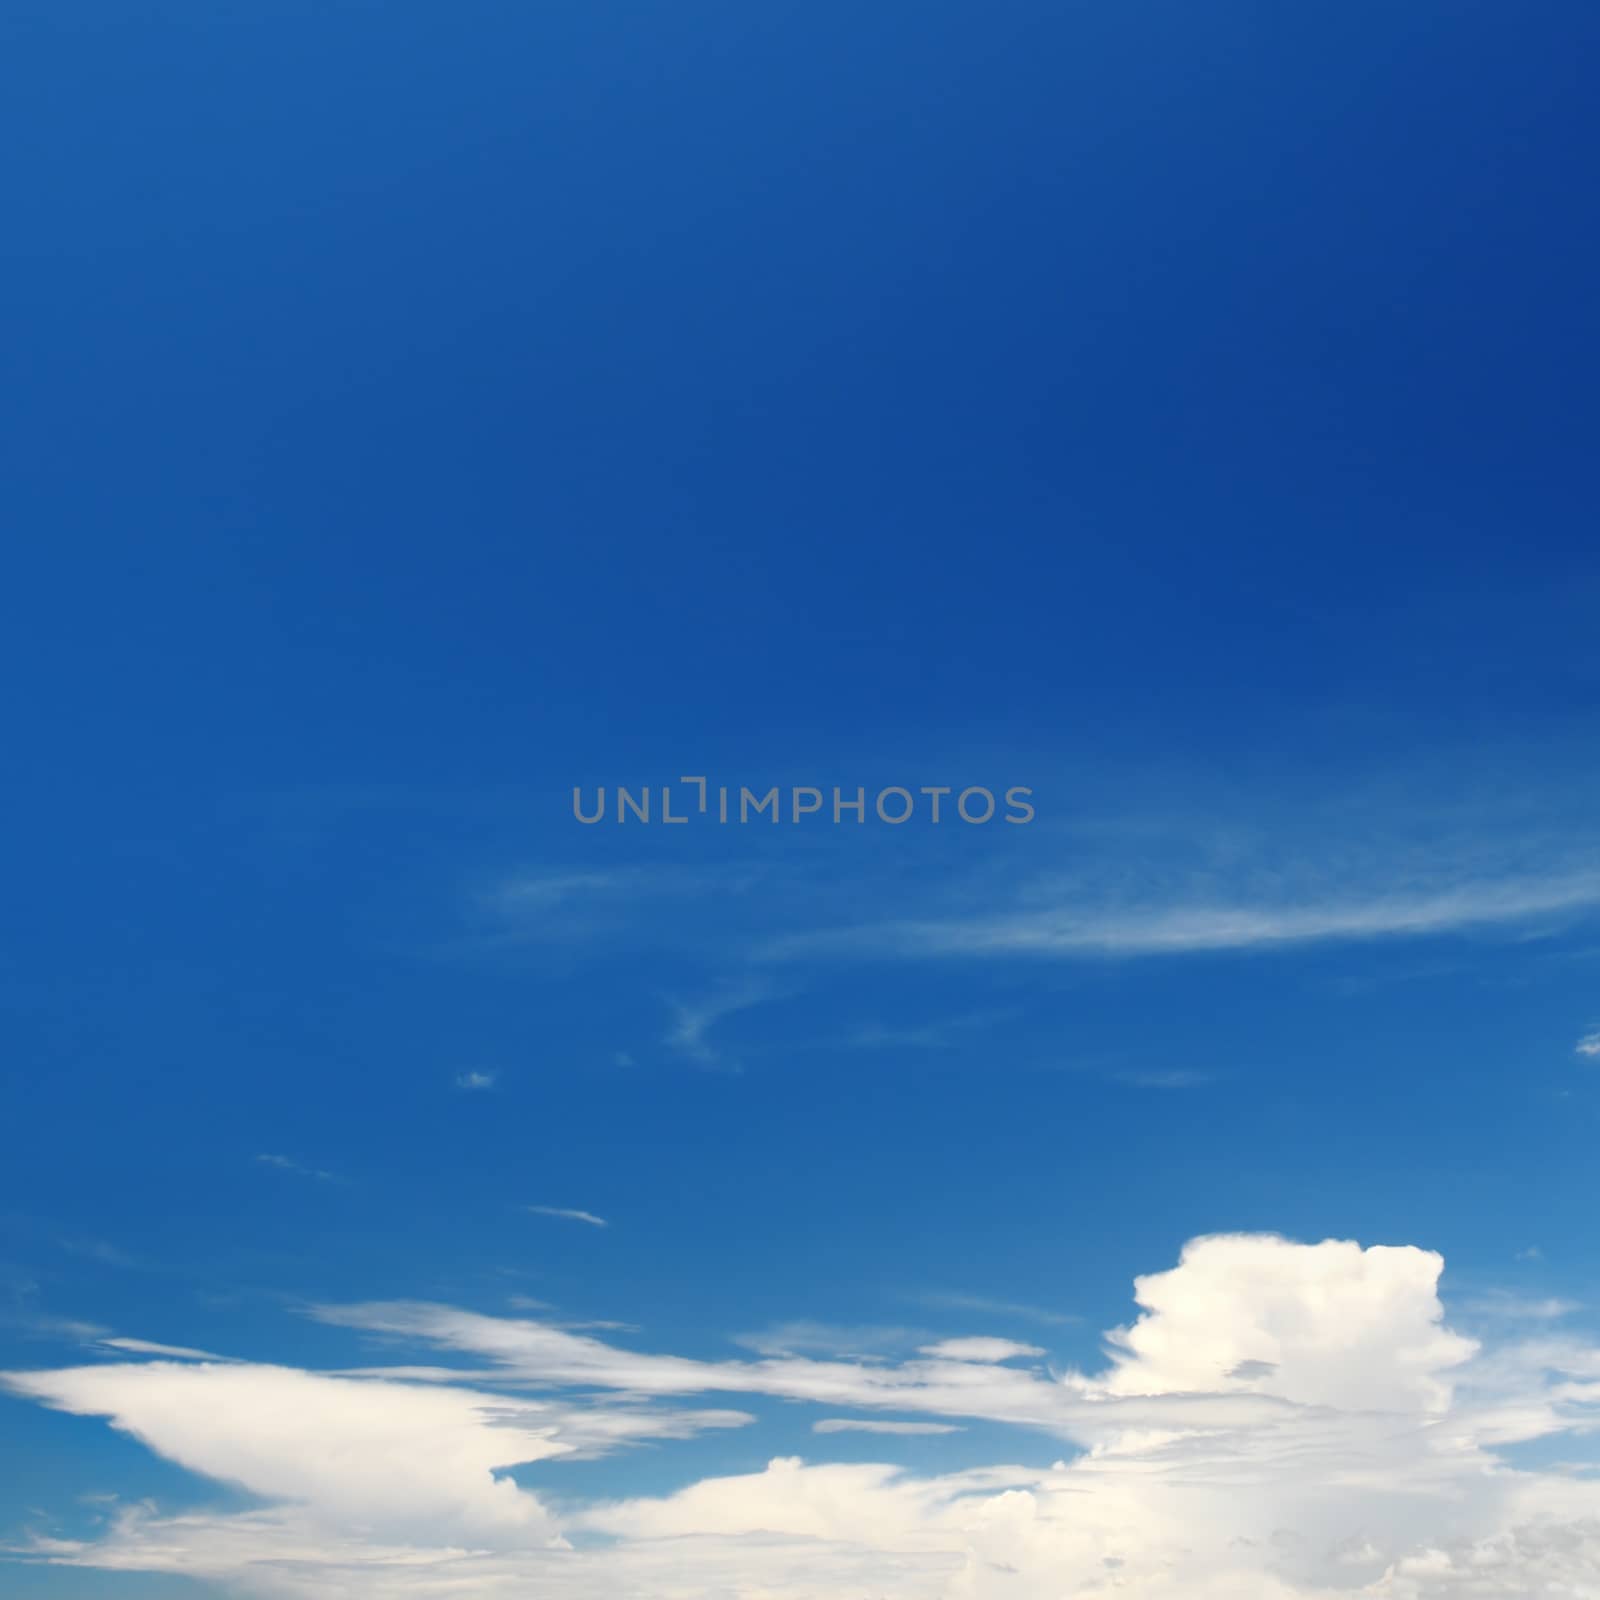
x: 147, y: 1347
x: 615, y: 905
x: 946, y: 1033
x: 101, y: 1251
x: 692, y: 1021
x: 1589, y: 1044
x: 984, y: 1350
x: 522, y: 1302
x: 871, y: 1425
x: 282, y: 1163
x: 38, y: 1324
x: 1520, y: 1307
x: 1162, y: 1078
x: 568, y: 1214
x: 534, y: 892
x: 826, y: 1338
x: 989, y: 1306
x: 1237, y: 873
x: 1083, y: 929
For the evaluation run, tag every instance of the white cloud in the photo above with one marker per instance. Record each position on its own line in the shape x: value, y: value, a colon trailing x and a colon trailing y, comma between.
x: 1589, y: 1044
x: 289, y: 1164
x: 476, y: 1080
x: 101, y: 1251
x: 867, y: 1425
x: 1387, y: 1348
x: 144, y: 1347
x: 548, y: 891
x: 692, y: 1022
x: 1174, y: 1360
x: 826, y: 1338
x: 1503, y: 1303
x: 989, y: 1306
x: 981, y: 1350
x: 1075, y: 928
x: 623, y: 906
x: 1279, y: 1422
x: 356, y: 1451
x: 569, y: 1214
x: 945, y: 1034
x: 1226, y: 872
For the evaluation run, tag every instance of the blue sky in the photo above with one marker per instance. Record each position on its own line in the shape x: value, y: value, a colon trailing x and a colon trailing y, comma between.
x: 417, y: 413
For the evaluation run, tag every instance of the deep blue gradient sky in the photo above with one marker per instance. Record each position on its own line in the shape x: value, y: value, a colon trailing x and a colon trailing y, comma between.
x: 414, y: 411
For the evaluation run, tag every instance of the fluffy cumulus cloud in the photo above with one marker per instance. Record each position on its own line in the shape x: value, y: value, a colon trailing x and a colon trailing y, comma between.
x: 1279, y: 1421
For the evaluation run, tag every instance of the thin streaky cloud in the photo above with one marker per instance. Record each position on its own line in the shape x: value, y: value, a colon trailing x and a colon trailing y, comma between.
x: 537, y: 891
x: 948, y: 1033
x: 1078, y: 932
x: 99, y: 1250
x: 569, y: 1214
x: 523, y: 1302
x: 865, y: 1425
x: 987, y: 1305
x: 147, y: 1347
x: 1502, y: 1303
x: 546, y: 891
x: 824, y: 1338
x: 982, y: 1349
x: 526, y: 897
x: 289, y: 1164
x: 1589, y: 1044
x: 476, y: 1081
x: 40, y: 1325
x: 693, y: 1021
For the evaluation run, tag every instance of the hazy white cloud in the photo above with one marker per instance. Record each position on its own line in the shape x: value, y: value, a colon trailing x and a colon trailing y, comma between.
x: 625, y: 906
x: 869, y: 1425
x: 989, y: 1306
x: 548, y: 891
x: 42, y: 1325
x: 827, y: 1338
x: 523, y: 1302
x: 289, y: 1164
x: 692, y: 1022
x: 476, y: 1080
x: 948, y: 1033
x: 984, y: 1350
x: 569, y: 1214
x: 102, y: 1252
x: 1526, y: 1308
x: 1589, y: 1044
x: 1279, y: 1421
x: 1373, y: 862
x: 362, y: 1452
x: 1159, y: 1078
x: 145, y: 1347
x: 1079, y: 928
